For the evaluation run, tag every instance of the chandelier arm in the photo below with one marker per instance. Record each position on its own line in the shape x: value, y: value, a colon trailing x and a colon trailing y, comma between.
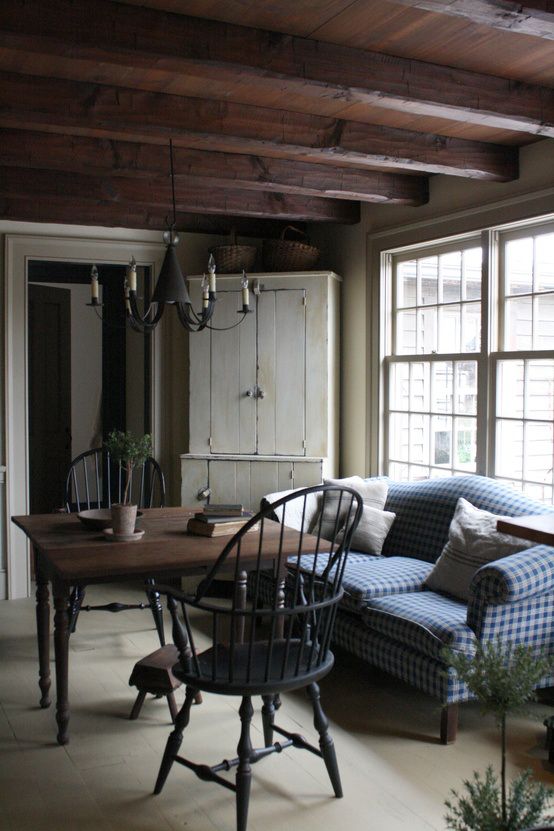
x: 189, y: 318
x: 141, y: 324
x: 225, y: 328
x: 143, y: 319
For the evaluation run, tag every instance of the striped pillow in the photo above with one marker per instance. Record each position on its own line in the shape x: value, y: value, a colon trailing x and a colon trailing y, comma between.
x: 473, y: 541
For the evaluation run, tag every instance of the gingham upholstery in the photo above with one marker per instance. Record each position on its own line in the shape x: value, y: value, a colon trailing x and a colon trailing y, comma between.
x: 424, y: 511
x: 401, y: 628
x: 424, y: 621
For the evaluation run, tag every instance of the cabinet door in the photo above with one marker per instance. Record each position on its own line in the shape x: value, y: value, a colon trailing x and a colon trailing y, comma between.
x: 281, y: 377
x: 231, y: 374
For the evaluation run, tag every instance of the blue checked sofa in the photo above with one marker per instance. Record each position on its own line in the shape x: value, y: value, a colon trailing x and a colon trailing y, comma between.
x: 391, y: 620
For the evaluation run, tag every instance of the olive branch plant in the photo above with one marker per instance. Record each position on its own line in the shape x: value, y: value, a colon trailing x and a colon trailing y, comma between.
x: 130, y: 451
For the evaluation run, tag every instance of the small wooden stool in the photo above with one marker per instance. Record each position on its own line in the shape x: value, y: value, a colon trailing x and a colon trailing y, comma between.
x: 153, y: 675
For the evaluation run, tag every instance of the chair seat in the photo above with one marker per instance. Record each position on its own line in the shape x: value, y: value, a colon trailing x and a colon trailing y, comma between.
x: 253, y: 671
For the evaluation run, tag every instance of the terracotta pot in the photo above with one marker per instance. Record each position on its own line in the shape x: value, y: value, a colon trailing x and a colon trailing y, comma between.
x: 123, y: 519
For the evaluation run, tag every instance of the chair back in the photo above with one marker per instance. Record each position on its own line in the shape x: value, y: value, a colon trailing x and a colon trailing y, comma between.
x: 294, y: 575
x: 95, y: 480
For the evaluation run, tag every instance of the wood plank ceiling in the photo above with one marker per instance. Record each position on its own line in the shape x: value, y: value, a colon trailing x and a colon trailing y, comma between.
x: 279, y: 111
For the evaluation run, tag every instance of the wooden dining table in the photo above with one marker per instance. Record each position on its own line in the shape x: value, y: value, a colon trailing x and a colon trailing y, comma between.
x: 67, y: 554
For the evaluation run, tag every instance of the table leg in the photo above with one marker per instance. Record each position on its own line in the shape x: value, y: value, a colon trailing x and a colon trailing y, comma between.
x: 61, y: 646
x: 43, y: 632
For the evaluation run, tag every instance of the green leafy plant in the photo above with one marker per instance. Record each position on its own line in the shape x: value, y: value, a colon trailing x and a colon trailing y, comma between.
x: 503, y: 678
x: 129, y: 450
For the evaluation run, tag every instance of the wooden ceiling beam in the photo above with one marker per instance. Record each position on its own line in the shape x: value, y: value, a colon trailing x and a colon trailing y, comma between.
x: 201, y: 168
x: 68, y: 210
x: 534, y: 19
x: 52, y: 105
x: 156, y: 195
x: 113, y: 43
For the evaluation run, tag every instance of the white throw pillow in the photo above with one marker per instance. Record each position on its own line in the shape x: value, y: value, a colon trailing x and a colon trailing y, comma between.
x: 293, y: 509
x: 372, y: 491
x: 372, y: 530
x: 473, y: 541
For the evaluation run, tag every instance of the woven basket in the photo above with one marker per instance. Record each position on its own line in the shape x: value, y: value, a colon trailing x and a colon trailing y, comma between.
x: 289, y: 255
x: 230, y: 259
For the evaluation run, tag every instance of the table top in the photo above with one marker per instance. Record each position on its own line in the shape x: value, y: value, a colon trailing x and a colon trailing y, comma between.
x: 75, y: 554
x: 539, y: 529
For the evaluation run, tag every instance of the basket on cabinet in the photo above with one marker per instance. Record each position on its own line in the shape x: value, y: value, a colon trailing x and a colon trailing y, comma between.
x: 289, y: 255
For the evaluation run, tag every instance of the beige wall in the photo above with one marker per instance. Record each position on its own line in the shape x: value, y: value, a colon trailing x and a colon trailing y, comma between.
x: 455, y: 206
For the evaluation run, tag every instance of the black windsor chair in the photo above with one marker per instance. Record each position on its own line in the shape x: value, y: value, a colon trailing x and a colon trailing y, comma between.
x: 95, y: 480
x: 270, y: 650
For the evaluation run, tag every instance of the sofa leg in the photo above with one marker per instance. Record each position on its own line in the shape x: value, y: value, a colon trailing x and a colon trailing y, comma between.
x: 449, y: 723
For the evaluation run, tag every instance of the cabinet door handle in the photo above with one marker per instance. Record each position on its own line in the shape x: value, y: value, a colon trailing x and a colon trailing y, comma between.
x: 203, y: 493
x: 249, y: 393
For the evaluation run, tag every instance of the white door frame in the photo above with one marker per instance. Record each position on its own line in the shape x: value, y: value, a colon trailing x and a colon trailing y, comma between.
x: 19, y: 250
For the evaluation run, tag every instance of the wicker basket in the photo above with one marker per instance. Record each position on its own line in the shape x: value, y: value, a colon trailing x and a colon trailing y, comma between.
x: 289, y: 255
x: 233, y: 258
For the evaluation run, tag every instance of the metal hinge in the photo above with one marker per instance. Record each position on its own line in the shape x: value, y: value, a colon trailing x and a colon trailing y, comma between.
x: 210, y: 442
x: 304, y: 444
x: 291, y: 474
x: 304, y: 300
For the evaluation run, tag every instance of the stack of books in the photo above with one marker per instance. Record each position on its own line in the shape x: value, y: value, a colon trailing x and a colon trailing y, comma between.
x: 218, y: 520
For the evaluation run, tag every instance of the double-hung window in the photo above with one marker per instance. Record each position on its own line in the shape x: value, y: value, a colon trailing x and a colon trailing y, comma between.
x: 468, y: 369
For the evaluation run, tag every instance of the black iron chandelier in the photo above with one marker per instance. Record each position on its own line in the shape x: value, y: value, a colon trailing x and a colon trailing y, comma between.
x: 171, y: 288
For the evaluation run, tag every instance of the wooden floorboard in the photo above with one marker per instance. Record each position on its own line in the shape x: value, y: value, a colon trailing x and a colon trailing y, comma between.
x: 395, y: 774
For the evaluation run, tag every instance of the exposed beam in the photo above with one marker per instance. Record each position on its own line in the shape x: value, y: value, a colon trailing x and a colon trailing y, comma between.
x: 112, y: 43
x: 71, y: 211
x: 33, y: 103
x: 201, y: 168
x: 535, y: 19
x: 156, y: 195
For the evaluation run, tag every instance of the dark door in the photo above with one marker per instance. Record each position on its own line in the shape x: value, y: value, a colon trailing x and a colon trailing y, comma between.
x: 49, y: 395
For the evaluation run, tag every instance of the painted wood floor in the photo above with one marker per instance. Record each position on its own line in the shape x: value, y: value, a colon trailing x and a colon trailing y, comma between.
x: 395, y: 774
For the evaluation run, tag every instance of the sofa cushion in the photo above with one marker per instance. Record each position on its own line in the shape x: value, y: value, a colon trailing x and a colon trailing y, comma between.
x: 473, y: 541
x: 423, y: 621
x: 372, y: 530
x: 424, y: 511
x: 372, y: 491
x: 367, y: 576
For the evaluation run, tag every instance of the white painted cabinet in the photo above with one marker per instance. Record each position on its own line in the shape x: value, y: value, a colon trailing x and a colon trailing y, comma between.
x: 265, y: 390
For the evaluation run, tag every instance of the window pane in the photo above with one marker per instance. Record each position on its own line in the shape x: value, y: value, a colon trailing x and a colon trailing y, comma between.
x: 419, y: 386
x: 441, y: 441
x: 429, y: 272
x: 465, y: 446
x: 544, y: 262
x: 471, y: 327
x: 544, y: 323
x: 542, y: 493
x: 399, y: 383
x: 509, y: 389
x: 539, y: 390
x: 538, y: 452
x: 519, y: 266
x: 449, y: 329
x: 417, y: 473
x: 406, y: 333
x: 519, y: 324
x: 399, y: 434
x: 466, y: 387
x: 427, y: 330
x: 398, y: 471
x: 472, y: 274
x: 419, y: 438
x: 509, y: 449
x: 442, y: 387
x: 406, y: 284
x: 451, y: 276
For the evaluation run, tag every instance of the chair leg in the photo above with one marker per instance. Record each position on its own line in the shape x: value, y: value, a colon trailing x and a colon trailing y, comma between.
x: 326, y: 745
x: 449, y: 723
x: 174, y: 740
x: 268, y: 718
x: 244, y: 770
x: 75, y: 603
x: 172, y: 704
x: 156, y: 609
x: 137, y: 706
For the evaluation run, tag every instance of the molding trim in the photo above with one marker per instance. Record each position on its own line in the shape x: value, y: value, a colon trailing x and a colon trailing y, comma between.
x: 19, y: 250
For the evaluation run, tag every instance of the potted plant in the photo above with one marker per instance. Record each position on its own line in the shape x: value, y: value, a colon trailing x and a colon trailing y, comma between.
x: 502, y: 677
x: 130, y: 451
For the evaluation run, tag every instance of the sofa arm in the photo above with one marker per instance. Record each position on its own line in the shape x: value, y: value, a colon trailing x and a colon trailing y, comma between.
x: 514, y: 578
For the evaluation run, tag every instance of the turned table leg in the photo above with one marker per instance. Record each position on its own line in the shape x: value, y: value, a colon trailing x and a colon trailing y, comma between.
x: 43, y: 632
x: 61, y: 646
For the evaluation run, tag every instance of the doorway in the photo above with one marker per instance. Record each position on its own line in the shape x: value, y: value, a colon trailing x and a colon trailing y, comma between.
x: 88, y: 373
